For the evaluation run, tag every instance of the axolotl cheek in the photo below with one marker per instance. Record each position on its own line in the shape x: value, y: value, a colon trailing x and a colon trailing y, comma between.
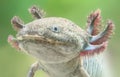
x: 21, y: 32
x: 27, y: 30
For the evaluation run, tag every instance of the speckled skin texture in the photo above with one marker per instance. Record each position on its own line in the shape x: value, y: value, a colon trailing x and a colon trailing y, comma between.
x: 48, y: 49
x: 52, y: 43
x: 62, y: 48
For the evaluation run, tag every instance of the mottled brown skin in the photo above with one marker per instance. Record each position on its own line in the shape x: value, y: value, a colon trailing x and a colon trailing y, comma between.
x: 59, y: 45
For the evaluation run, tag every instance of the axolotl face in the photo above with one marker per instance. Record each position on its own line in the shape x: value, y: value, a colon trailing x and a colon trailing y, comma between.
x: 50, y: 39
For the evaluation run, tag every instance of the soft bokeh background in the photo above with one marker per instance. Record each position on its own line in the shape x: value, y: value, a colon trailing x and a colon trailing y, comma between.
x: 16, y: 64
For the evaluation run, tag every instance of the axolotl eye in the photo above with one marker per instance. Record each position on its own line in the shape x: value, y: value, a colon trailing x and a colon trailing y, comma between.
x: 55, y: 28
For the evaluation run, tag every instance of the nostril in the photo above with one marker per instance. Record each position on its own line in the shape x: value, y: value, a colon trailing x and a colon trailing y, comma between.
x: 40, y: 33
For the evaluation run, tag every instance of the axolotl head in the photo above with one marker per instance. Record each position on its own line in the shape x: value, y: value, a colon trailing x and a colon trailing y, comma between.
x: 52, y: 38
x: 56, y: 39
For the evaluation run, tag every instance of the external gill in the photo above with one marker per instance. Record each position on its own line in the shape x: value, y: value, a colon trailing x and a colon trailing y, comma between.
x: 104, y: 35
x: 90, y: 49
x: 93, y: 22
x: 17, y: 23
x: 36, y: 12
x: 97, y: 41
x: 14, y: 42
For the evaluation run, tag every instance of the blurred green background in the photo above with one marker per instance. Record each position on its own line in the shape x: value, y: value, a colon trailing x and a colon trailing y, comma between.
x: 16, y: 64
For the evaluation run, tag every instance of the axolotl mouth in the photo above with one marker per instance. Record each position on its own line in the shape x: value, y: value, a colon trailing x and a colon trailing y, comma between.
x: 40, y: 39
